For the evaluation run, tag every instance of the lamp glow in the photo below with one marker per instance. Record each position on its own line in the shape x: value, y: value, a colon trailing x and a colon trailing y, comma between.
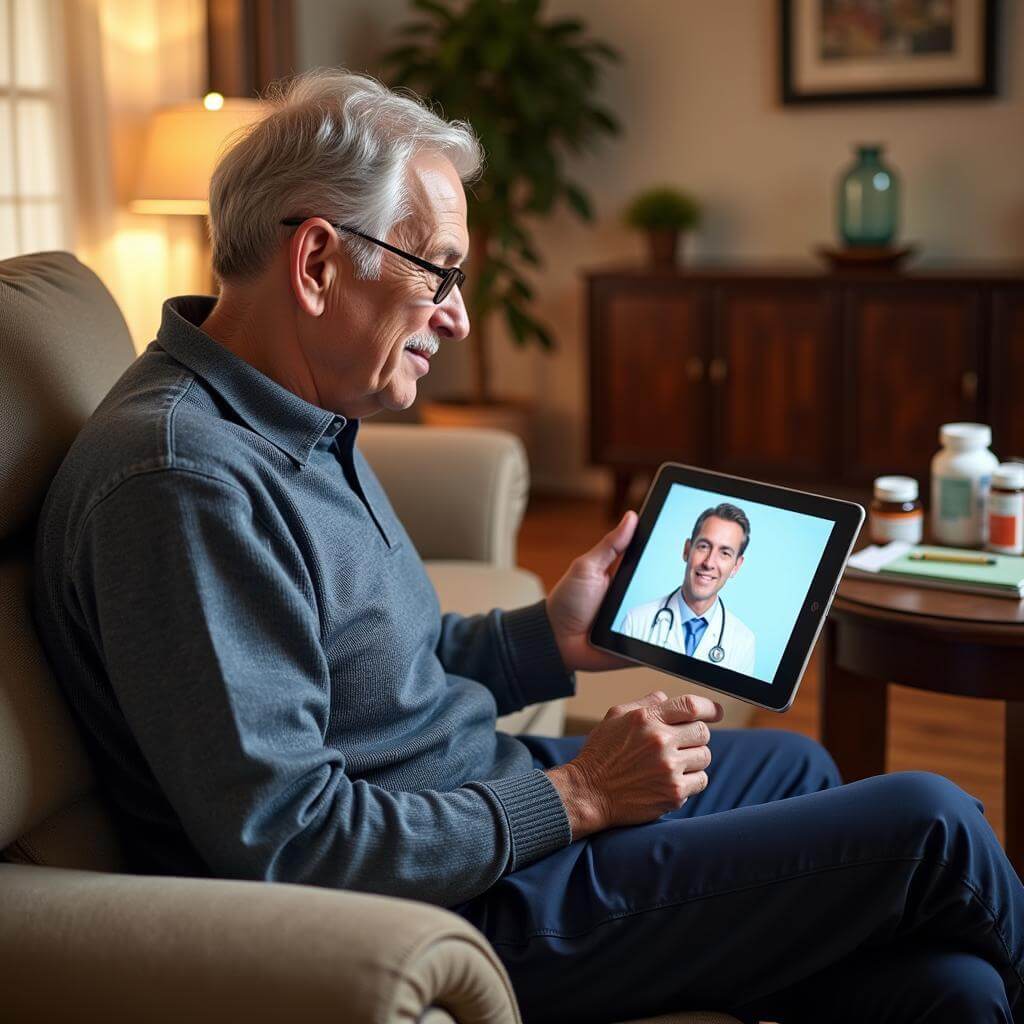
x: 181, y: 150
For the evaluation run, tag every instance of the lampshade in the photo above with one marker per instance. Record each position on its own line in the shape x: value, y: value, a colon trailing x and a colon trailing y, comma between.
x: 182, y: 146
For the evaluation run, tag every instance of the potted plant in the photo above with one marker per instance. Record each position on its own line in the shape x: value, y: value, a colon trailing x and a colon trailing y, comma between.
x: 526, y: 86
x: 664, y: 213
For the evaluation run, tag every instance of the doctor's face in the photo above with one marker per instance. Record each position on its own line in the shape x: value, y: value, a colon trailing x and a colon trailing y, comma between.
x: 711, y: 559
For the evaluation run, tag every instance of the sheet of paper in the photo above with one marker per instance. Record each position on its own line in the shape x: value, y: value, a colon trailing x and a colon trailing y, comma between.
x: 875, y: 557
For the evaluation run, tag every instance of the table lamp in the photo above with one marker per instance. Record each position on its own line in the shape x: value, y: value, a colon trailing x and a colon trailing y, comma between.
x: 181, y: 148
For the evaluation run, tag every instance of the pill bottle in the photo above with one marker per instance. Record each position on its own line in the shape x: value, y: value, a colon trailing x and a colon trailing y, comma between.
x: 1006, y: 509
x: 961, y: 475
x: 897, y: 512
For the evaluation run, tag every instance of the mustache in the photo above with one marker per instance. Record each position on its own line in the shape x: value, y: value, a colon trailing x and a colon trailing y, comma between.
x: 425, y: 341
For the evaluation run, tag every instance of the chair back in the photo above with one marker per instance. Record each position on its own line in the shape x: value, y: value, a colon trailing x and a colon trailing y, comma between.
x: 63, y: 344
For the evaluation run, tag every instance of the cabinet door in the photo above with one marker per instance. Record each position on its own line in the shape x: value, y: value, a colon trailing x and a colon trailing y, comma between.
x: 648, y: 365
x: 775, y: 374
x: 1007, y: 373
x: 912, y: 360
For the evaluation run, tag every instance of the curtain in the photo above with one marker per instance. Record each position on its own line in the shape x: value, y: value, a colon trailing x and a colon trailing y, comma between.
x: 125, y: 59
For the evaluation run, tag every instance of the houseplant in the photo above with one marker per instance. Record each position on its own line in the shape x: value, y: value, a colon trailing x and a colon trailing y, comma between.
x: 664, y: 213
x: 526, y: 85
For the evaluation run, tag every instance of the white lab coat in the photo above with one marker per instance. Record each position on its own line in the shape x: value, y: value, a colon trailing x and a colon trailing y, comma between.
x: 737, y: 638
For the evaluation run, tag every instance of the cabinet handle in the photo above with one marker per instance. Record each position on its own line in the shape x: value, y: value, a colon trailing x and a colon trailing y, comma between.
x: 969, y: 385
x: 718, y: 370
x: 695, y: 369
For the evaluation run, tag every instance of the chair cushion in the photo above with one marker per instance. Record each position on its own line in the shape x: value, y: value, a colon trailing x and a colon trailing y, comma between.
x: 64, y: 343
x: 469, y: 587
x: 43, y: 766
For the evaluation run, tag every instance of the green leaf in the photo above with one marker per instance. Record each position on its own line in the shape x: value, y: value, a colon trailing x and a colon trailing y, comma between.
x: 543, y: 336
x: 517, y: 321
x: 579, y: 201
x: 604, y: 119
x: 521, y: 289
x: 565, y: 27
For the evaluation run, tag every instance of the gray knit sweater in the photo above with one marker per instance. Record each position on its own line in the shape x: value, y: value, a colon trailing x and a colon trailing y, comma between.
x: 257, y: 658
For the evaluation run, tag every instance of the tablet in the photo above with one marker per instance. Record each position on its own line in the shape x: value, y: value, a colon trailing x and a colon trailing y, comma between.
x: 727, y: 582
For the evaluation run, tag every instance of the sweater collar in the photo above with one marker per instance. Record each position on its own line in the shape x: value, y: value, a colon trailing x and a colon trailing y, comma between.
x: 285, y: 419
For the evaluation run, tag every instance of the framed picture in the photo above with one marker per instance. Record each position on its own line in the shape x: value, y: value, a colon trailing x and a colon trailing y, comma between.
x: 842, y: 50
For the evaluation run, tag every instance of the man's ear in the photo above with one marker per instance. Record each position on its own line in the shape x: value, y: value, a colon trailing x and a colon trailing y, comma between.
x: 686, y: 550
x: 736, y: 567
x: 313, y: 258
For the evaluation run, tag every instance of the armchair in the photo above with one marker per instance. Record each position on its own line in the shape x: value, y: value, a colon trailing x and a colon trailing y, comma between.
x: 82, y: 940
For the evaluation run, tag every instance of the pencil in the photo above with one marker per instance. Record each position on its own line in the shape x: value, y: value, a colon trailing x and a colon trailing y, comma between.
x: 929, y: 556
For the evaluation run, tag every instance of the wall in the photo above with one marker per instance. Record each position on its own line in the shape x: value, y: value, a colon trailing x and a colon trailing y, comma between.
x: 697, y: 93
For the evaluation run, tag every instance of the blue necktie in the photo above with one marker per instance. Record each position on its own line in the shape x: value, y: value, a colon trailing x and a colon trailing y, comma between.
x: 694, y: 631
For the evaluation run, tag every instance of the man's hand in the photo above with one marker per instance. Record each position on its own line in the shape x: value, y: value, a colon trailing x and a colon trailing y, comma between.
x: 645, y: 758
x: 574, y: 601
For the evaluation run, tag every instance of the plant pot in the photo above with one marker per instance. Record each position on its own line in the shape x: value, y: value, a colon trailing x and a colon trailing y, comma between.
x: 662, y: 246
x: 500, y: 414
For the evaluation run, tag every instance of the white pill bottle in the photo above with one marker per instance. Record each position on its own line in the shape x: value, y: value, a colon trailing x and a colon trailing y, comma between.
x: 961, y: 477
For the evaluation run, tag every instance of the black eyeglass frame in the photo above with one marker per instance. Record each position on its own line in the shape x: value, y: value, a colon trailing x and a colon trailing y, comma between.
x: 451, y: 277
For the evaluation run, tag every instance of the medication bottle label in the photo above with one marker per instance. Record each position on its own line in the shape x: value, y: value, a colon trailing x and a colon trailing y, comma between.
x: 885, y: 528
x: 1006, y: 522
x: 955, y: 498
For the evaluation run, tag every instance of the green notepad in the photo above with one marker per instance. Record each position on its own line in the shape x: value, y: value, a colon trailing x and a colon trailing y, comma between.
x: 1005, y: 577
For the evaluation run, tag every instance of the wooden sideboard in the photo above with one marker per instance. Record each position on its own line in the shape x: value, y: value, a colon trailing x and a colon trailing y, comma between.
x: 797, y: 376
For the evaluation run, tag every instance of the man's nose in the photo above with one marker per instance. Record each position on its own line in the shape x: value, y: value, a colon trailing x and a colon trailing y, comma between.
x: 450, y: 319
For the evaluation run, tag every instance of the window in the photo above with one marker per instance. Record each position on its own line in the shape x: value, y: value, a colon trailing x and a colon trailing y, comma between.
x: 33, y: 190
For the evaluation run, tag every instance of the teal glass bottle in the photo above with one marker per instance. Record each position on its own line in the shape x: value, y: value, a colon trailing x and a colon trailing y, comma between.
x: 869, y: 200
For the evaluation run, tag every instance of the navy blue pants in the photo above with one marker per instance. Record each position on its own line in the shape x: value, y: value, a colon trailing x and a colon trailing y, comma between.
x: 776, y: 894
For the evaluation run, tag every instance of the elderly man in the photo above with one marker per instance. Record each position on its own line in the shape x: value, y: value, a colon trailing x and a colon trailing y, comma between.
x: 270, y: 691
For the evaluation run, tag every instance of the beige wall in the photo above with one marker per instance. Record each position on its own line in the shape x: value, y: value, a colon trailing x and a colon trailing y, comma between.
x: 696, y: 93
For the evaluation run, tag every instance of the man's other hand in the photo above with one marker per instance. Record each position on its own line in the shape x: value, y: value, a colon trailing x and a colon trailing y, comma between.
x: 643, y: 759
x: 575, y: 598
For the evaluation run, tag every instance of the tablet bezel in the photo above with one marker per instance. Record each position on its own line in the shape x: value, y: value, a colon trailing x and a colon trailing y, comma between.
x: 777, y: 695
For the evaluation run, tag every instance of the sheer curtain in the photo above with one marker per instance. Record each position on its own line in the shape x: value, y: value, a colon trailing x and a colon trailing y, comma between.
x: 35, y: 193
x: 125, y: 59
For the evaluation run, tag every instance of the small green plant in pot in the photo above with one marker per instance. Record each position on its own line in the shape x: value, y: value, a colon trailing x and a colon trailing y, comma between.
x: 664, y: 213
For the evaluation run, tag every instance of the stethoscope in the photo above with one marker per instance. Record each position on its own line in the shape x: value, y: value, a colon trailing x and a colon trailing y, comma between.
x: 666, y: 618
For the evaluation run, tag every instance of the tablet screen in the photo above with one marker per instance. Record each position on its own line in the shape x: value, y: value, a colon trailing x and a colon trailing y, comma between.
x: 723, y: 579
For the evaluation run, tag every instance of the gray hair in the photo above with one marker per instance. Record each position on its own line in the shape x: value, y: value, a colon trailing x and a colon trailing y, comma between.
x: 732, y: 514
x: 334, y: 144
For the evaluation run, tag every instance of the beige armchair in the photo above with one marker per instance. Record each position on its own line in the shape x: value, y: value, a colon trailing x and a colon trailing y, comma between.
x: 80, y: 939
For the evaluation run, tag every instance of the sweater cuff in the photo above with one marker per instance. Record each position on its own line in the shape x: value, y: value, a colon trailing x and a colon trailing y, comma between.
x: 537, y: 667
x: 537, y: 819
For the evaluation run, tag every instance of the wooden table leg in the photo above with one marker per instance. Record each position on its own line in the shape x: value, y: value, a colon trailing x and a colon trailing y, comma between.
x: 854, y: 713
x: 1014, y: 768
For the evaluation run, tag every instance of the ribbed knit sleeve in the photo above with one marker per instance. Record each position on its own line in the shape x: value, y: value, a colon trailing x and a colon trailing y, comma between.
x: 513, y: 653
x: 537, y: 819
x: 209, y: 627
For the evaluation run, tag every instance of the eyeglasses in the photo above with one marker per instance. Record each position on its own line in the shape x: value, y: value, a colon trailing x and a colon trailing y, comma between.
x: 451, y: 277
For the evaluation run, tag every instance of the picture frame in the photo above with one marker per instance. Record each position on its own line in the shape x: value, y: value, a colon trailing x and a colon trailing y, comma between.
x: 841, y: 51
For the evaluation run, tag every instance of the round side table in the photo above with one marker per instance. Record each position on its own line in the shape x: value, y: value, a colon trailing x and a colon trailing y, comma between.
x: 937, y: 640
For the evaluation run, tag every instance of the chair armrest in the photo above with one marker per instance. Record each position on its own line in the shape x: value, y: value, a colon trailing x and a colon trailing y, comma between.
x: 459, y: 492
x: 81, y: 945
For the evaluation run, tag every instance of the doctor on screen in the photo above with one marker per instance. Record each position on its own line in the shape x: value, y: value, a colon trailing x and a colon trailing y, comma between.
x: 693, y: 618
